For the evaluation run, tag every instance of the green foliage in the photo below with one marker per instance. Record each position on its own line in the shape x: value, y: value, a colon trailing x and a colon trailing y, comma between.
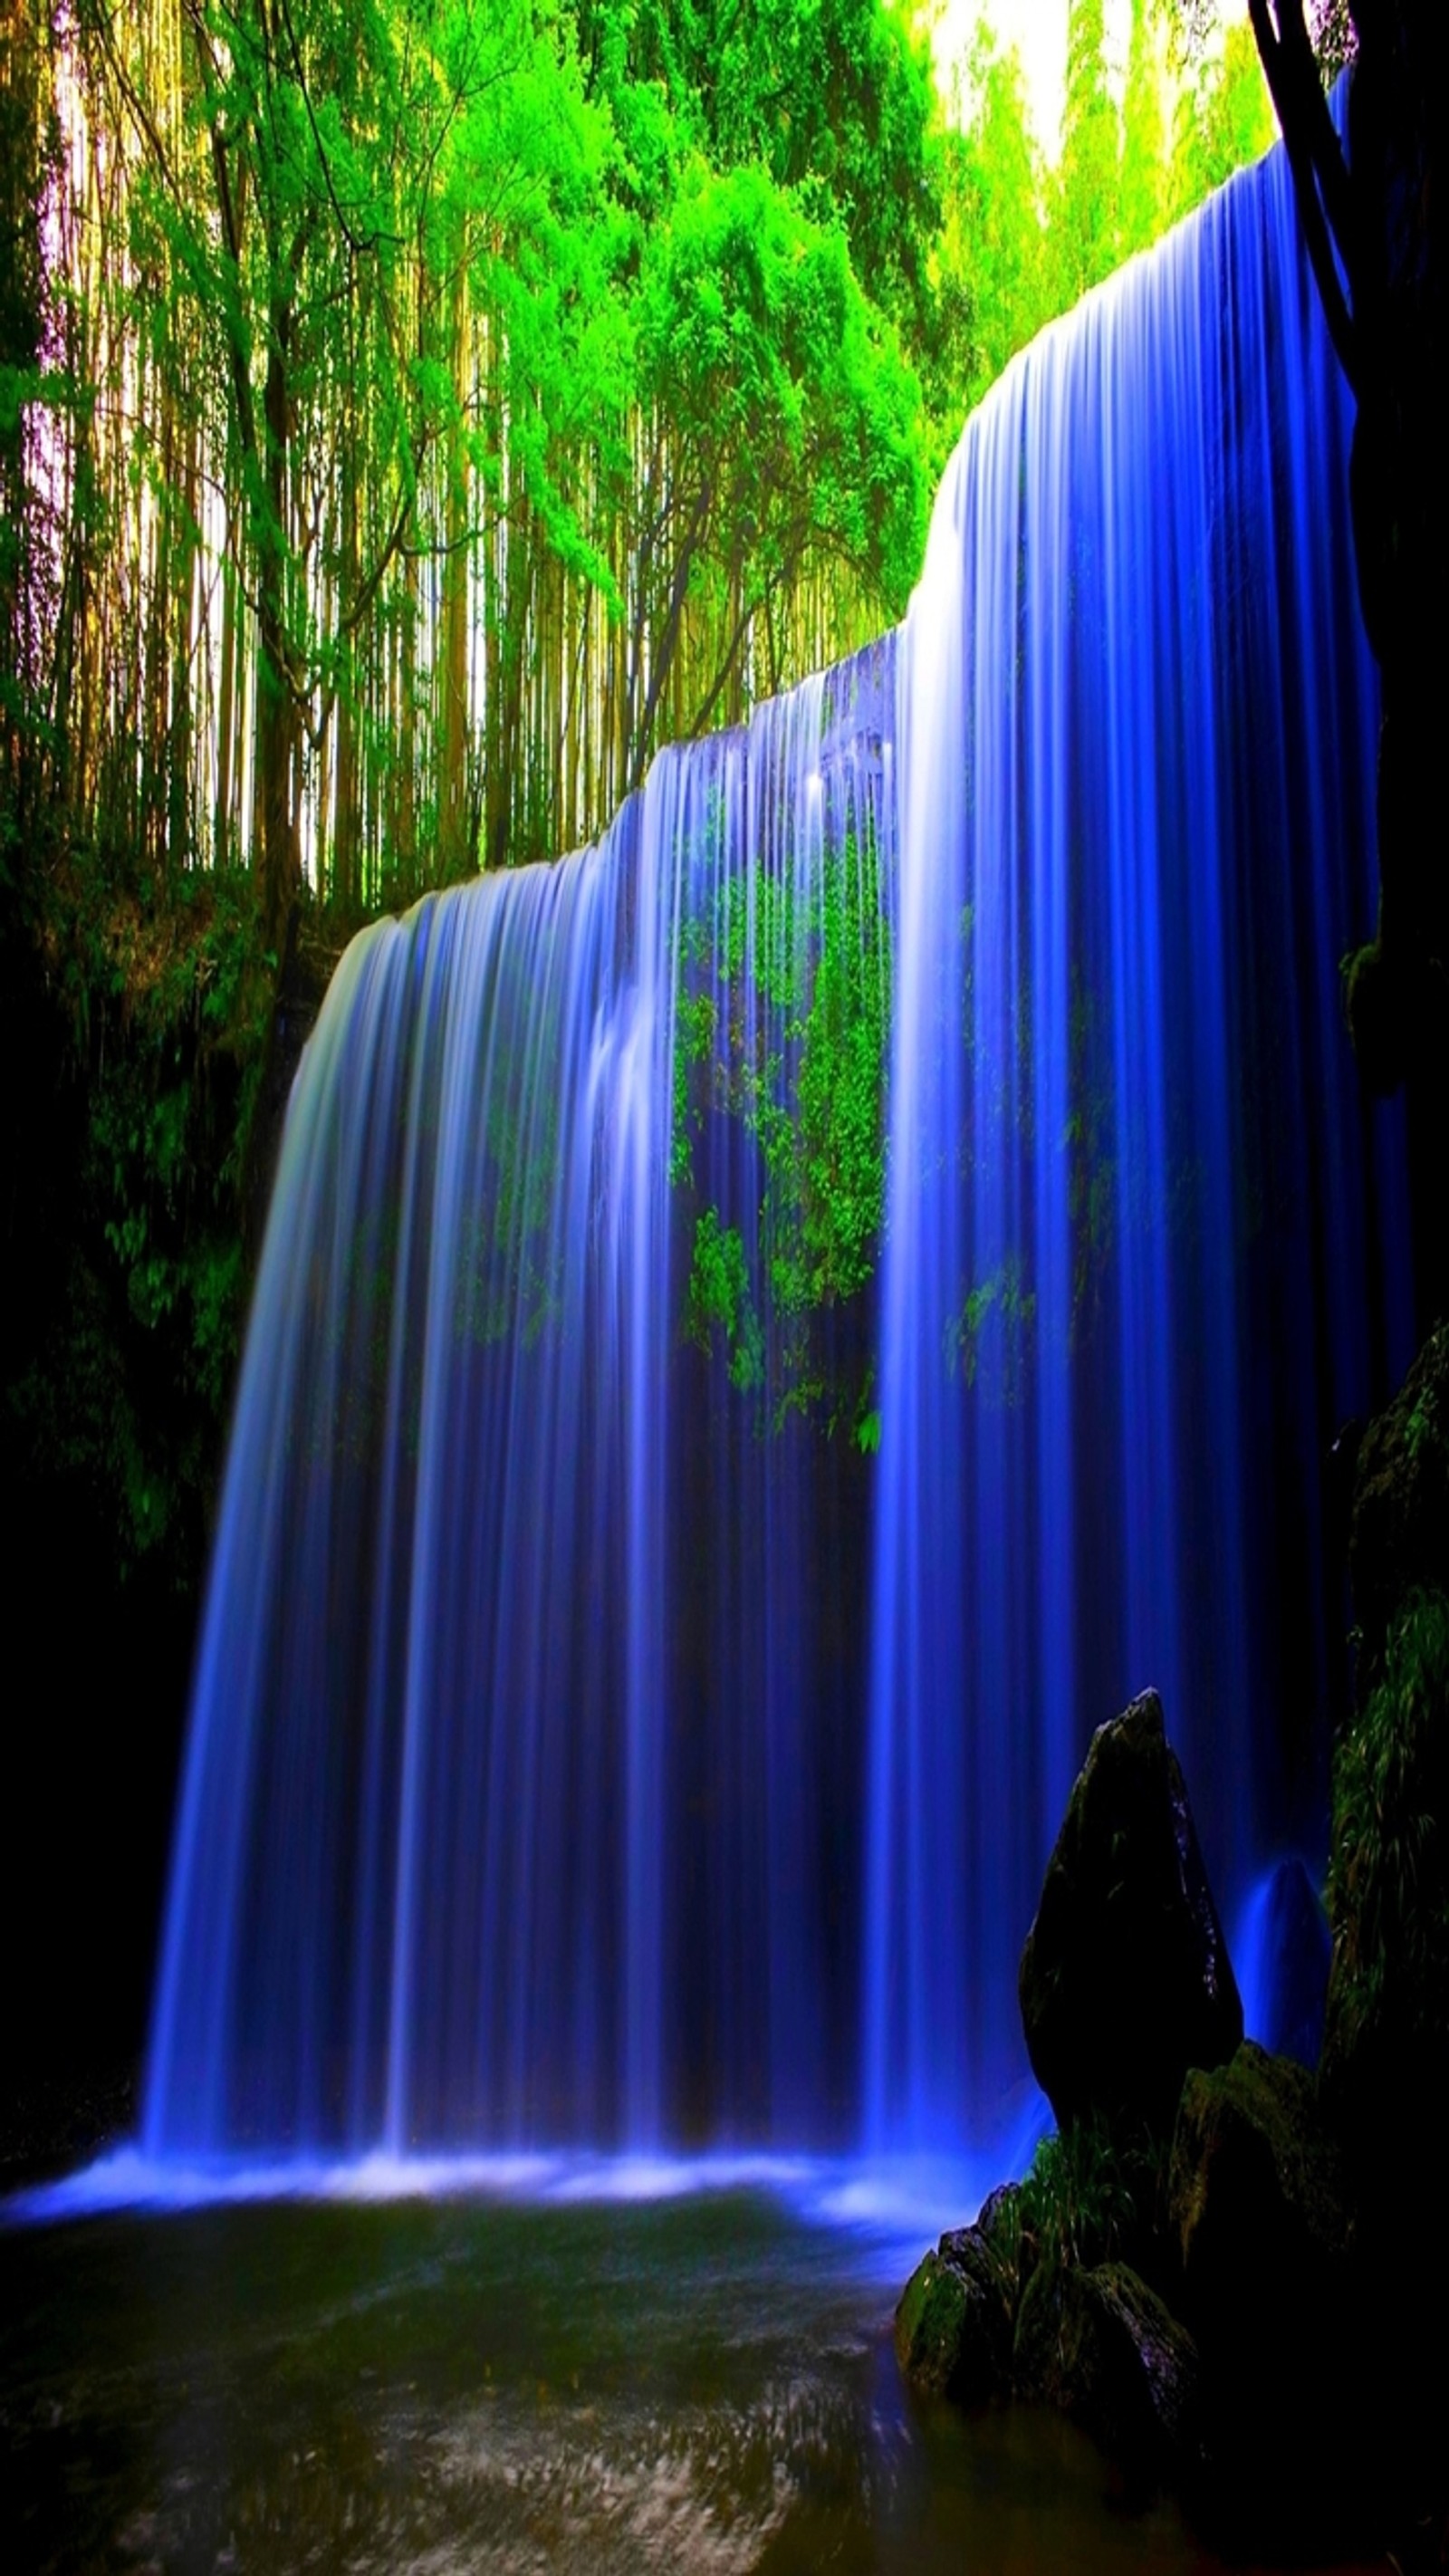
x: 1020, y: 240
x: 1084, y: 216
x: 639, y: 323
x: 1142, y: 190
x: 1224, y: 119
x: 1329, y: 23
x: 719, y: 1295
x: 834, y: 100
x: 1091, y: 2197
x: 1074, y: 2199
x: 1388, y: 1887
x: 793, y: 414
x: 991, y: 258
x: 163, y: 1011
x: 788, y: 1037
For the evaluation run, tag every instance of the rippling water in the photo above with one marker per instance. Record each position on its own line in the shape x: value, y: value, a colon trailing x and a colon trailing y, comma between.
x: 703, y: 2384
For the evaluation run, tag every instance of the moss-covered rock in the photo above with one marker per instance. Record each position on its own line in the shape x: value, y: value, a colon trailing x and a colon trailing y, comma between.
x: 1271, y: 2290
x: 1125, y: 1979
x: 1386, y: 2040
x: 1256, y: 2189
x: 1384, y: 2074
x: 1399, y: 1536
x: 1385, y: 2067
x: 955, y: 2318
x: 1104, y: 2348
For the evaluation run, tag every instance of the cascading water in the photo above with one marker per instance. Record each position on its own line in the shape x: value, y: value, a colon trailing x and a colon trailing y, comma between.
x: 644, y: 1662
x: 1129, y: 1279
x: 506, y: 1814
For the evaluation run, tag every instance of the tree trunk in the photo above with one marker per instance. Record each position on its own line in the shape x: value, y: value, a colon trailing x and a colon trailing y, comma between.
x: 456, y: 858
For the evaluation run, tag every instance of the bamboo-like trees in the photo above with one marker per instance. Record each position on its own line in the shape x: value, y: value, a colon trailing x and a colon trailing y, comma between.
x: 420, y: 410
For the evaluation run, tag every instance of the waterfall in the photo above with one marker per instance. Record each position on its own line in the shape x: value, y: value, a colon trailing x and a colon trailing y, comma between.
x: 771, y: 1328
x: 1132, y: 1281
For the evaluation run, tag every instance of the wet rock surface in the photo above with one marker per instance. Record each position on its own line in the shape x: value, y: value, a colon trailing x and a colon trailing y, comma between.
x: 953, y: 2327
x: 1104, y: 2348
x: 1399, y: 1534
x: 1125, y: 1979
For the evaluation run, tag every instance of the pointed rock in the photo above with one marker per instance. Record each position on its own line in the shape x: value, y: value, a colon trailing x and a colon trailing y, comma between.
x: 1125, y: 1978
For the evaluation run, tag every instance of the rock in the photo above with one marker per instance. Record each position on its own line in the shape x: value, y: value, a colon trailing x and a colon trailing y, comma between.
x: 1386, y: 2045
x: 1399, y: 1540
x: 1384, y: 2071
x: 1101, y: 2346
x: 1125, y: 1978
x: 954, y: 2321
x: 1003, y: 2222
x: 1257, y: 2198
x: 1256, y: 2190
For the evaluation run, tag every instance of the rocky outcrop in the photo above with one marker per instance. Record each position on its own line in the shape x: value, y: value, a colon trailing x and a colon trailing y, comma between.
x: 1256, y: 2200
x: 1252, y: 2316
x: 954, y: 2323
x: 1103, y: 2347
x: 1399, y: 1536
x: 1384, y: 2071
x: 1125, y: 1978
x: 1385, y: 2067
x: 1258, y: 2203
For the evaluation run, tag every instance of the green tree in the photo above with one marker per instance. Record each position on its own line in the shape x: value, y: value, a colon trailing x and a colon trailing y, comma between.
x: 993, y: 250
x: 1224, y: 119
x: 1143, y: 198
x: 832, y: 97
x: 782, y: 429
x: 1084, y: 230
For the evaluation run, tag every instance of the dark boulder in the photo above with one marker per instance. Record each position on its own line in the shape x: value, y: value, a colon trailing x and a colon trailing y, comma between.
x: 1385, y: 2061
x: 1103, y: 2348
x: 954, y: 2322
x: 1270, y: 2289
x: 1384, y: 2071
x: 1399, y: 1540
x: 1125, y: 1978
x: 1256, y: 2194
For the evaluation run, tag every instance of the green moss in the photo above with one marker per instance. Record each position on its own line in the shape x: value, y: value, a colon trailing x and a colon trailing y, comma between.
x: 1090, y: 2195
x: 930, y: 2322
x: 1388, y: 1889
x: 161, y: 998
x: 719, y: 1297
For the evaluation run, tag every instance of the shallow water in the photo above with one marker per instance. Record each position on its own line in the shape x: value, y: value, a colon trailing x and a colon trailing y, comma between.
x: 703, y: 2384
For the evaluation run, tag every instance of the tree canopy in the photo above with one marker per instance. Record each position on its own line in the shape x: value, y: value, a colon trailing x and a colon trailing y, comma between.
x: 414, y: 413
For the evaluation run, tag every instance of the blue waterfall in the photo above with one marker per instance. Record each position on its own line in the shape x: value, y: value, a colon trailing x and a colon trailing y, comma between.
x: 773, y: 1327
x: 1132, y: 1275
